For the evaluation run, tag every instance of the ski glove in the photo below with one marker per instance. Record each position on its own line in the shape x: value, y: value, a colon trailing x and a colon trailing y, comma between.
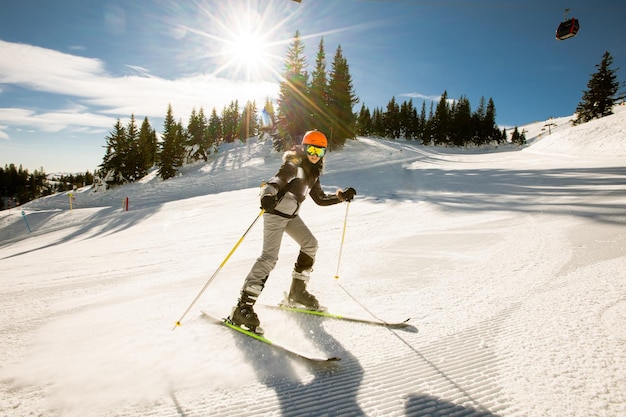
x: 347, y: 194
x: 268, y: 202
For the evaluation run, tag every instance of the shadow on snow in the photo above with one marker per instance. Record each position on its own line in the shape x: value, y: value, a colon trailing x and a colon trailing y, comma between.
x: 584, y: 192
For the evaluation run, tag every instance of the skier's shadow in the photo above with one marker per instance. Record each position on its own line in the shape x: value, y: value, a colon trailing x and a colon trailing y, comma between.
x: 427, y: 405
x: 331, y: 391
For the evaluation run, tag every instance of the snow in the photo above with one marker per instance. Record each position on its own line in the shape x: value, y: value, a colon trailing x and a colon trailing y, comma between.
x: 510, y: 262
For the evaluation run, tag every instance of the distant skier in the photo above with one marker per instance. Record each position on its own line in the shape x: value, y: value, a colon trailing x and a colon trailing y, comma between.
x: 281, y: 197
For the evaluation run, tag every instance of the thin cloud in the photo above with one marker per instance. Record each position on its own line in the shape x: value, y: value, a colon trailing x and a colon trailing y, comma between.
x: 3, y: 134
x: 54, y: 121
x: 104, y: 95
x: 145, y: 72
x: 151, y: 96
x: 46, y: 70
x: 427, y: 97
x: 421, y: 96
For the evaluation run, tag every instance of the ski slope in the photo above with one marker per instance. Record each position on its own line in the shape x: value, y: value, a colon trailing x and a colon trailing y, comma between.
x: 510, y: 263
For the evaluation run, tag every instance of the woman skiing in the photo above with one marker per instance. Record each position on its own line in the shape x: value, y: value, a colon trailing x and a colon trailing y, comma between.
x: 281, y: 197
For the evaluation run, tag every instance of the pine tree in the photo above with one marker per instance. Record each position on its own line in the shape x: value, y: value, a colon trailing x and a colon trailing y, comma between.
x: 196, y: 128
x: 147, y: 147
x: 429, y: 126
x: 391, y: 120
x: 342, y: 99
x: 214, y: 131
x: 319, y: 94
x: 182, y: 139
x: 171, y: 154
x: 461, y: 124
x: 293, y: 115
x: 408, y: 120
x: 421, y: 124
x: 378, y: 122
x: 518, y: 138
x: 364, y: 122
x: 441, y: 121
x: 249, y: 124
x: 522, y: 138
x: 414, y: 122
x: 484, y: 123
x: 231, y: 122
x: 131, y: 160
x: 112, y: 162
x: 478, y: 123
x: 599, y: 98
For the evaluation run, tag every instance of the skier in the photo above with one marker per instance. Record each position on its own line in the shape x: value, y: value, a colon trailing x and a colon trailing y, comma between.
x: 281, y: 197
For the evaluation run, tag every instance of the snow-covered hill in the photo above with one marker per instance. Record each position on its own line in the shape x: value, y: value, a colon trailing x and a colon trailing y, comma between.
x: 509, y: 262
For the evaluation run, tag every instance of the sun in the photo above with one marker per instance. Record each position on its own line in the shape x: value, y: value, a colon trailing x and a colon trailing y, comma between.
x: 245, y: 41
x: 248, y: 52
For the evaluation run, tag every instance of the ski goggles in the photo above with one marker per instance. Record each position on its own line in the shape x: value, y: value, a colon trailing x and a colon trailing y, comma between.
x: 315, y: 150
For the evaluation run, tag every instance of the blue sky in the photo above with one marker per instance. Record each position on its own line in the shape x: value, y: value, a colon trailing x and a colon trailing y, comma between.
x: 70, y: 68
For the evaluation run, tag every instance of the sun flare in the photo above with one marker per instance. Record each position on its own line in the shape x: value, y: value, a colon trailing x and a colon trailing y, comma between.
x: 248, y: 52
x: 243, y: 42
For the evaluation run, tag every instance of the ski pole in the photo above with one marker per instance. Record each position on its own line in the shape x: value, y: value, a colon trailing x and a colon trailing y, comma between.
x: 178, y: 323
x: 343, y: 237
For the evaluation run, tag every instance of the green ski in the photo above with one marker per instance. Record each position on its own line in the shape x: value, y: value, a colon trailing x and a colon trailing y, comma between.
x: 269, y: 342
x: 323, y: 313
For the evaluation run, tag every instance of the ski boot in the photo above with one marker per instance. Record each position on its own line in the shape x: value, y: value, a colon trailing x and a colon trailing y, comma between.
x: 243, y: 314
x: 298, y: 294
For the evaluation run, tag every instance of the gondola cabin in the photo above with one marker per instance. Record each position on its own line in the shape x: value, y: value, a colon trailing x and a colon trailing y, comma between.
x: 567, y: 29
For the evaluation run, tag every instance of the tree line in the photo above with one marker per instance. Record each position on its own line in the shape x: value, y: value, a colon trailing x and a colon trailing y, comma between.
x: 449, y: 123
x: 131, y: 151
x: 320, y: 100
x: 18, y: 186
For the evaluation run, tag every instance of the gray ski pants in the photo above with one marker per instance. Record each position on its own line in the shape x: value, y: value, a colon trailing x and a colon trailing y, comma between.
x: 274, y: 227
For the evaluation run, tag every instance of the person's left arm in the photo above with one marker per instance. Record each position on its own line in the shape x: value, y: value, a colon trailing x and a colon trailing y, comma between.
x: 321, y: 198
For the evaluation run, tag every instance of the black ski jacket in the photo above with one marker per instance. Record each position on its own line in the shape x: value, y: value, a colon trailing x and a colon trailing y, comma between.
x: 296, y: 178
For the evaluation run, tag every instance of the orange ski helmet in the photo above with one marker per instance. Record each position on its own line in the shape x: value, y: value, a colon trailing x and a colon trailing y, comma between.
x: 315, y: 138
